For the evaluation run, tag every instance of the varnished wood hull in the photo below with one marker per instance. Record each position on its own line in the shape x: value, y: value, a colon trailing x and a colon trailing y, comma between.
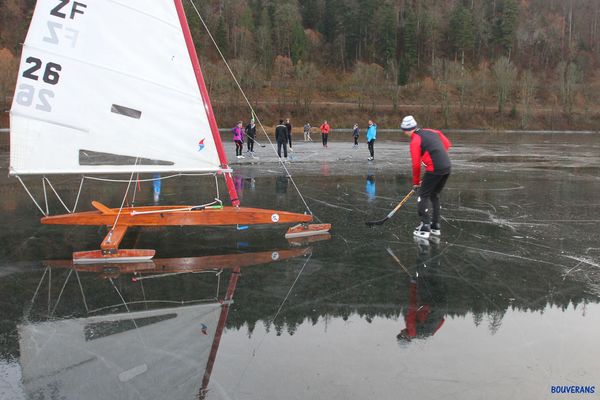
x: 113, y: 256
x: 159, y: 216
x: 303, y: 230
x: 185, y: 264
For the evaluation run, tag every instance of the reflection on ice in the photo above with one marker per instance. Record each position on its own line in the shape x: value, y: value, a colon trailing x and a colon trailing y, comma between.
x: 505, y: 305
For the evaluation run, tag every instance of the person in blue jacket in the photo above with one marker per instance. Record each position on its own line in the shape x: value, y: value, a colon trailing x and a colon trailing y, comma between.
x: 371, y: 136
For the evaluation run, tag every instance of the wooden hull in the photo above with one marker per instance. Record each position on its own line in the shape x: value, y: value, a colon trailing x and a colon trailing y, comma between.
x: 182, y: 265
x: 178, y: 216
x: 113, y: 256
x: 303, y: 230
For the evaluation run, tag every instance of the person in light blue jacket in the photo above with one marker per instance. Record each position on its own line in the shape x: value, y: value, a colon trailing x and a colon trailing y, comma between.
x: 371, y: 136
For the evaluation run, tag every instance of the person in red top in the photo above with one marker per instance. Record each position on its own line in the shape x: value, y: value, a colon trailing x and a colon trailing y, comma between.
x: 425, y: 313
x: 325, y: 128
x: 430, y: 148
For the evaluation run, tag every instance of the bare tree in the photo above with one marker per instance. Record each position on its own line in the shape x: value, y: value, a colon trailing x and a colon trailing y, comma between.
x: 505, y: 74
x: 283, y: 74
x: 307, y: 75
x: 528, y: 86
x: 567, y: 74
x: 367, y: 79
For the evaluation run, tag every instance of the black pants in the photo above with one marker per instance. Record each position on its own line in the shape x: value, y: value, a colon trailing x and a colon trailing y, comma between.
x: 371, y: 144
x: 281, y: 144
x: 250, y: 143
x: 324, y: 137
x: 356, y: 140
x: 239, y: 145
x: 289, y: 138
x: 429, y: 200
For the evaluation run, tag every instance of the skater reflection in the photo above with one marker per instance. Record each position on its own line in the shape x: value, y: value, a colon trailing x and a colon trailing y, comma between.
x: 156, y: 188
x: 325, y: 169
x: 238, y: 182
x: 425, y: 313
x: 370, y: 188
x: 281, y: 184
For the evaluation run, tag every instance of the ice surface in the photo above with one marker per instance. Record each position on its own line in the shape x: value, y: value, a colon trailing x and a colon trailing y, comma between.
x: 504, y: 306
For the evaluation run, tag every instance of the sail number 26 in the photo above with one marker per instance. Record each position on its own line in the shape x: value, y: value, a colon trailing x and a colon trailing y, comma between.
x: 27, y: 93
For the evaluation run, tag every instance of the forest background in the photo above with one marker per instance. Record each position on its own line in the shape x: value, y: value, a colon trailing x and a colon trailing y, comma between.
x: 489, y: 64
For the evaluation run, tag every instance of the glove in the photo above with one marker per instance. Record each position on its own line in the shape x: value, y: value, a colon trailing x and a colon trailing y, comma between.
x: 416, y: 188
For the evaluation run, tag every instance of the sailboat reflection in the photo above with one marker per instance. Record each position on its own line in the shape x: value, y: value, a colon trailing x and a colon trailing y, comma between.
x: 142, y: 332
x: 425, y: 313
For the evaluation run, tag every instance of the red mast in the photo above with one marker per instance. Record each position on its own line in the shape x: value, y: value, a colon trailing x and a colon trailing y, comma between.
x: 204, y: 93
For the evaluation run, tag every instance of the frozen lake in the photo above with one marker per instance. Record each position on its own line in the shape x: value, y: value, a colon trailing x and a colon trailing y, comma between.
x: 506, y: 305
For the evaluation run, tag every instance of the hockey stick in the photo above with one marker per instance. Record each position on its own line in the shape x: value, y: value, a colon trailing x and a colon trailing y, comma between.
x: 381, y: 221
x: 398, y: 261
x: 255, y: 141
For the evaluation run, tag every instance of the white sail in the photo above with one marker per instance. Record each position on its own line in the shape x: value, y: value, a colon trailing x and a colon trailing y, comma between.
x: 156, y: 354
x: 108, y: 86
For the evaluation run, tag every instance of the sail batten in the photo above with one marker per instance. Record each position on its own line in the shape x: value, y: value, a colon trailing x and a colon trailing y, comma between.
x: 128, y: 88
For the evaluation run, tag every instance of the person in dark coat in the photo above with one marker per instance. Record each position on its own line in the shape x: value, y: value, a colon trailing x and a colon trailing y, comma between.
x: 288, y: 126
x: 281, y: 137
x: 250, y: 134
x: 355, y: 135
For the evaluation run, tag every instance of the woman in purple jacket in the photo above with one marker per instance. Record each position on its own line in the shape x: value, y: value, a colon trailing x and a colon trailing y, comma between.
x: 238, y: 138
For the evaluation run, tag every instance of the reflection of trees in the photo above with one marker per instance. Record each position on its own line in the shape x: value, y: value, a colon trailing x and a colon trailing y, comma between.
x: 336, y: 284
x: 466, y: 282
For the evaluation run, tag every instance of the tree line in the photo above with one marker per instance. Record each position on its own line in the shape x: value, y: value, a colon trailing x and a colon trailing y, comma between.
x: 501, y: 63
x: 517, y: 63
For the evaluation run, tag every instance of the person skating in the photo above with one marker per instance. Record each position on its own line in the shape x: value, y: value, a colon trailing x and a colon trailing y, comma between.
x: 325, y: 128
x: 281, y: 139
x: 371, y: 136
x: 307, y: 129
x: 355, y: 135
x: 288, y: 126
x: 238, y: 138
x: 250, y: 134
x: 430, y: 147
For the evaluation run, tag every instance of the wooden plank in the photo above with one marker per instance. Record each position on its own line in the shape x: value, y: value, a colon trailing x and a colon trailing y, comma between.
x: 160, y: 217
x: 113, y: 238
x: 112, y: 256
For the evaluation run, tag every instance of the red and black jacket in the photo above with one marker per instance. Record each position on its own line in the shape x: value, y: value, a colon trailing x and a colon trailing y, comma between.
x: 430, y: 147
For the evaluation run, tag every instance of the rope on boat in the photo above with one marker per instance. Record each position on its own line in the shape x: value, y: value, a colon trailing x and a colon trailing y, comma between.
x: 287, y: 172
x: 45, y: 214
x: 192, y: 208
x: 123, y: 202
x: 160, y: 178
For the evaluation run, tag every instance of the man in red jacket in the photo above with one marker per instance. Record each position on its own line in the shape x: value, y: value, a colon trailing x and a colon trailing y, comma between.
x: 430, y: 147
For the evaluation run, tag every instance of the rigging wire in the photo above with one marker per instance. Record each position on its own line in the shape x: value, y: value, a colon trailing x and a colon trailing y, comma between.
x: 124, y: 197
x: 288, y: 174
x: 272, y: 320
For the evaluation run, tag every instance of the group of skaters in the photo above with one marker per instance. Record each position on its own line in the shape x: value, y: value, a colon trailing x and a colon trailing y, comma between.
x: 283, y: 137
x: 238, y: 138
x: 428, y: 147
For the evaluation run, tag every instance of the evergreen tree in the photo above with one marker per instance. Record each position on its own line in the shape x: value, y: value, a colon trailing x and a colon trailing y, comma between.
x: 506, y: 25
x: 461, y: 31
x: 409, y: 36
x: 329, y: 20
x: 221, y: 37
x: 299, y: 43
x: 264, y: 42
x: 403, y: 71
x: 352, y: 30
x: 367, y: 29
x: 386, y: 34
x: 310, y: 13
